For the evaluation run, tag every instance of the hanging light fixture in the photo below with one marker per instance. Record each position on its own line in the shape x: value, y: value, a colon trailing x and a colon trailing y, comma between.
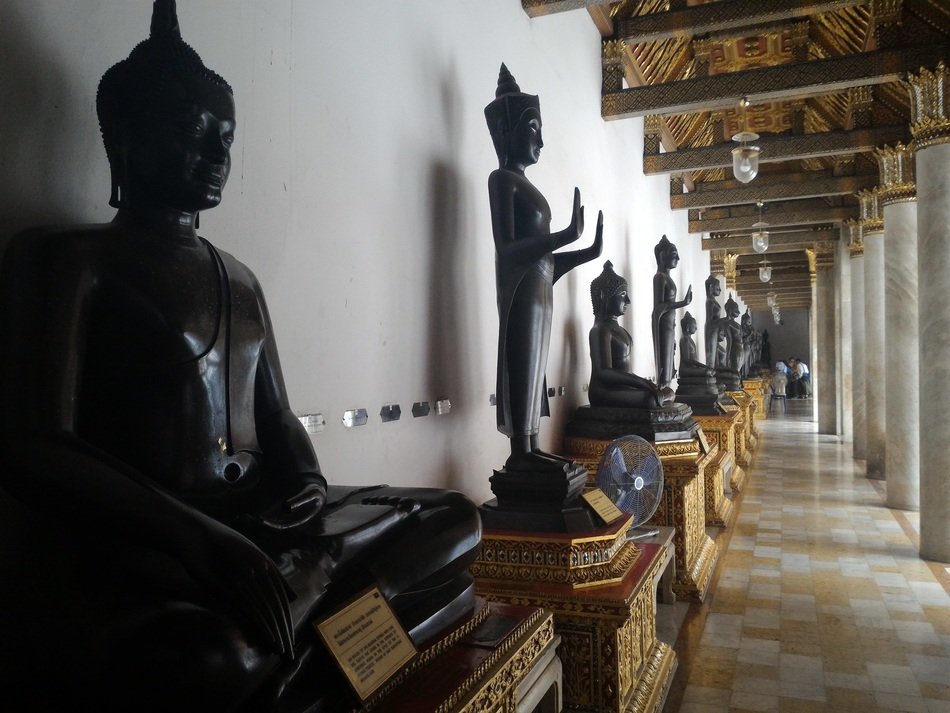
x: 771, y: 299
x: 760, y: 237
x: 745, y: 158
x: 765, y: 271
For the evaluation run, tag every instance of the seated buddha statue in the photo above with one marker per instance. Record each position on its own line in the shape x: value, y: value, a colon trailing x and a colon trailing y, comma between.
x: 179, y: 536
x: 612, y: 382
x: 697, y: 385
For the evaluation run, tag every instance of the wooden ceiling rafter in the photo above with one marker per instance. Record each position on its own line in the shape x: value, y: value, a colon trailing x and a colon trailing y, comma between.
x: 820, y: 82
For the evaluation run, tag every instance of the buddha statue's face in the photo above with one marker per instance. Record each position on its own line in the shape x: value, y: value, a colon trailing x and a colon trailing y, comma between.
x: 690, y: 326
x: 713, y: 289
x: 617, y: 303
x: 524, y: 141
x: 181, y: 157
x: 732, y: 310
x: 671, y: 258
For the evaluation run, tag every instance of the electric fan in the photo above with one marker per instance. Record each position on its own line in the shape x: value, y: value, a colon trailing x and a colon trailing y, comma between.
x: 631, y: 475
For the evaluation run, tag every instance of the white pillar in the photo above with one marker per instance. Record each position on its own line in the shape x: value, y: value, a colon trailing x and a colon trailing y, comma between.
x: 874, y: 387
x: 844, y: 358
x: 930, y: 94
x: 858, y: 348
x: 825, y: 383
x: 901, y: 355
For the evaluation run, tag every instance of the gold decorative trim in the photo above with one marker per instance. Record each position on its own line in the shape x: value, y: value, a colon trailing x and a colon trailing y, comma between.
x: 612, y: 51
x: 855, y: 238
x: 872, y: 221
x: 929, y: 107
x: 658, y: 670
x: 503, y: 682
x: 436, y: 650
x: 897, y: 171
x: 610, y: 567
x: 673, y: 449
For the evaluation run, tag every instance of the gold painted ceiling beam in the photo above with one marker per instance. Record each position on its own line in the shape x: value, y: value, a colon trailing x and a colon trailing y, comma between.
x: 536, y: 8
x: 763, y: 84
x: 778, y: 242
x: 720, y: 17
x: 771, y: 188
x: 776, y: 148
x: 776, y: 219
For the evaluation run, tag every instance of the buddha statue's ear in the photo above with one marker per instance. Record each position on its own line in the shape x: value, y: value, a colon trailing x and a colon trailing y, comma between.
x: 119, y: 169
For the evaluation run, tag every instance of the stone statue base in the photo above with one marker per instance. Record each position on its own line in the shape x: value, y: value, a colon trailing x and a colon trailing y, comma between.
x: 539, y: 500
x: 671, y: 422
x: 701, y: 393
x: 729, y: 379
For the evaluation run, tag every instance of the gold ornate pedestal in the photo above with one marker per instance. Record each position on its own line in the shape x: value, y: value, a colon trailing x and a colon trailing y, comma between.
x: 719, y: 510
x: 757, y: 389
x: 602, y: 592
x: 748, y: 410
x: 683, y: 505
x: 744, y: 437
x: 722, y: 430
x: 481, y: 671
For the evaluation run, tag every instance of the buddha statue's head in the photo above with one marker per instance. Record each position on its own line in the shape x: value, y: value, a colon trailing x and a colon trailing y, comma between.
x: 732, y: 308
x: 514, y: 120
x: 747, y: 318
x: 667, y: 256
x: 713, y: 288
x: 688, y: 324
x: 608, y: 293
x: 167, y: 122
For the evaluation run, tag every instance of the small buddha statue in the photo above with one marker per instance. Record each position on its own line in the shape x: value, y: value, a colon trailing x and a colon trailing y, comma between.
x: 182, y: 537
x: 526, y: 269
x: 689, y: 364
x: 734, y: 346
x: 713, y: 335
x: 696, y: 385
x: 664, y: 309
x: 748, y: 339
x: 612, y: 383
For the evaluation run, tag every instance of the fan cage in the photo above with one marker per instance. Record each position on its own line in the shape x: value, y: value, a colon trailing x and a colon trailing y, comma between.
x: 631, y: 474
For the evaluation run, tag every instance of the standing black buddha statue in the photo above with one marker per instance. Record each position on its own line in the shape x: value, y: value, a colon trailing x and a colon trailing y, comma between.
x: 526, y: 269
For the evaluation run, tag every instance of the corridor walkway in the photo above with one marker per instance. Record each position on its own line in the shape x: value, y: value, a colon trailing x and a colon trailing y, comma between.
x: 820, y: 602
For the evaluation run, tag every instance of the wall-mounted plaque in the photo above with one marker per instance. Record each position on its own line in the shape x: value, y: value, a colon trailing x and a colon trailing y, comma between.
x: 420, y: 408
x: 367, y: 642
x: 390, y: 412
x: 355, y: 417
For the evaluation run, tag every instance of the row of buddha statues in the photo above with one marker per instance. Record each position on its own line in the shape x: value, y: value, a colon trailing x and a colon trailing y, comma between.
x: 180, y: 529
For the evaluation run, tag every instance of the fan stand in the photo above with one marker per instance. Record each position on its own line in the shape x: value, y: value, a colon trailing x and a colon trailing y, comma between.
x: 640, y: 532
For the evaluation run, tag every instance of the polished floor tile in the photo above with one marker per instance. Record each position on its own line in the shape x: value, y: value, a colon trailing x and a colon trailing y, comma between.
x: 820, y: 601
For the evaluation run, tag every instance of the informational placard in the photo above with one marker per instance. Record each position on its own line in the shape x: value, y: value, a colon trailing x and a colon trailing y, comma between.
x: 704, y: 444
x: 367, y: 642
x: 602, y: 505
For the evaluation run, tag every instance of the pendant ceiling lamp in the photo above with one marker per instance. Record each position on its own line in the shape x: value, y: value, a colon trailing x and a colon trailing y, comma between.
x: 765, y: 271
x: 745, y: 157
x: 760, y: 237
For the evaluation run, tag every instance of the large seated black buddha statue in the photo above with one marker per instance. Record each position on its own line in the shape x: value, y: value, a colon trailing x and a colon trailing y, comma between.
x: 176, y: 537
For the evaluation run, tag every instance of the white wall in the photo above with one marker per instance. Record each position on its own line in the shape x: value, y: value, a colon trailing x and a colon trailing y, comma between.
x: 358, y: 196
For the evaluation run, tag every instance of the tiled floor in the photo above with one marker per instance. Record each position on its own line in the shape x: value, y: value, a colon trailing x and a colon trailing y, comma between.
x: 820, y: 601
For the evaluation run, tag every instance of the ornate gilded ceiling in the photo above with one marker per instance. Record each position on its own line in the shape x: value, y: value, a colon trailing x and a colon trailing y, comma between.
x: 819, y: 80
